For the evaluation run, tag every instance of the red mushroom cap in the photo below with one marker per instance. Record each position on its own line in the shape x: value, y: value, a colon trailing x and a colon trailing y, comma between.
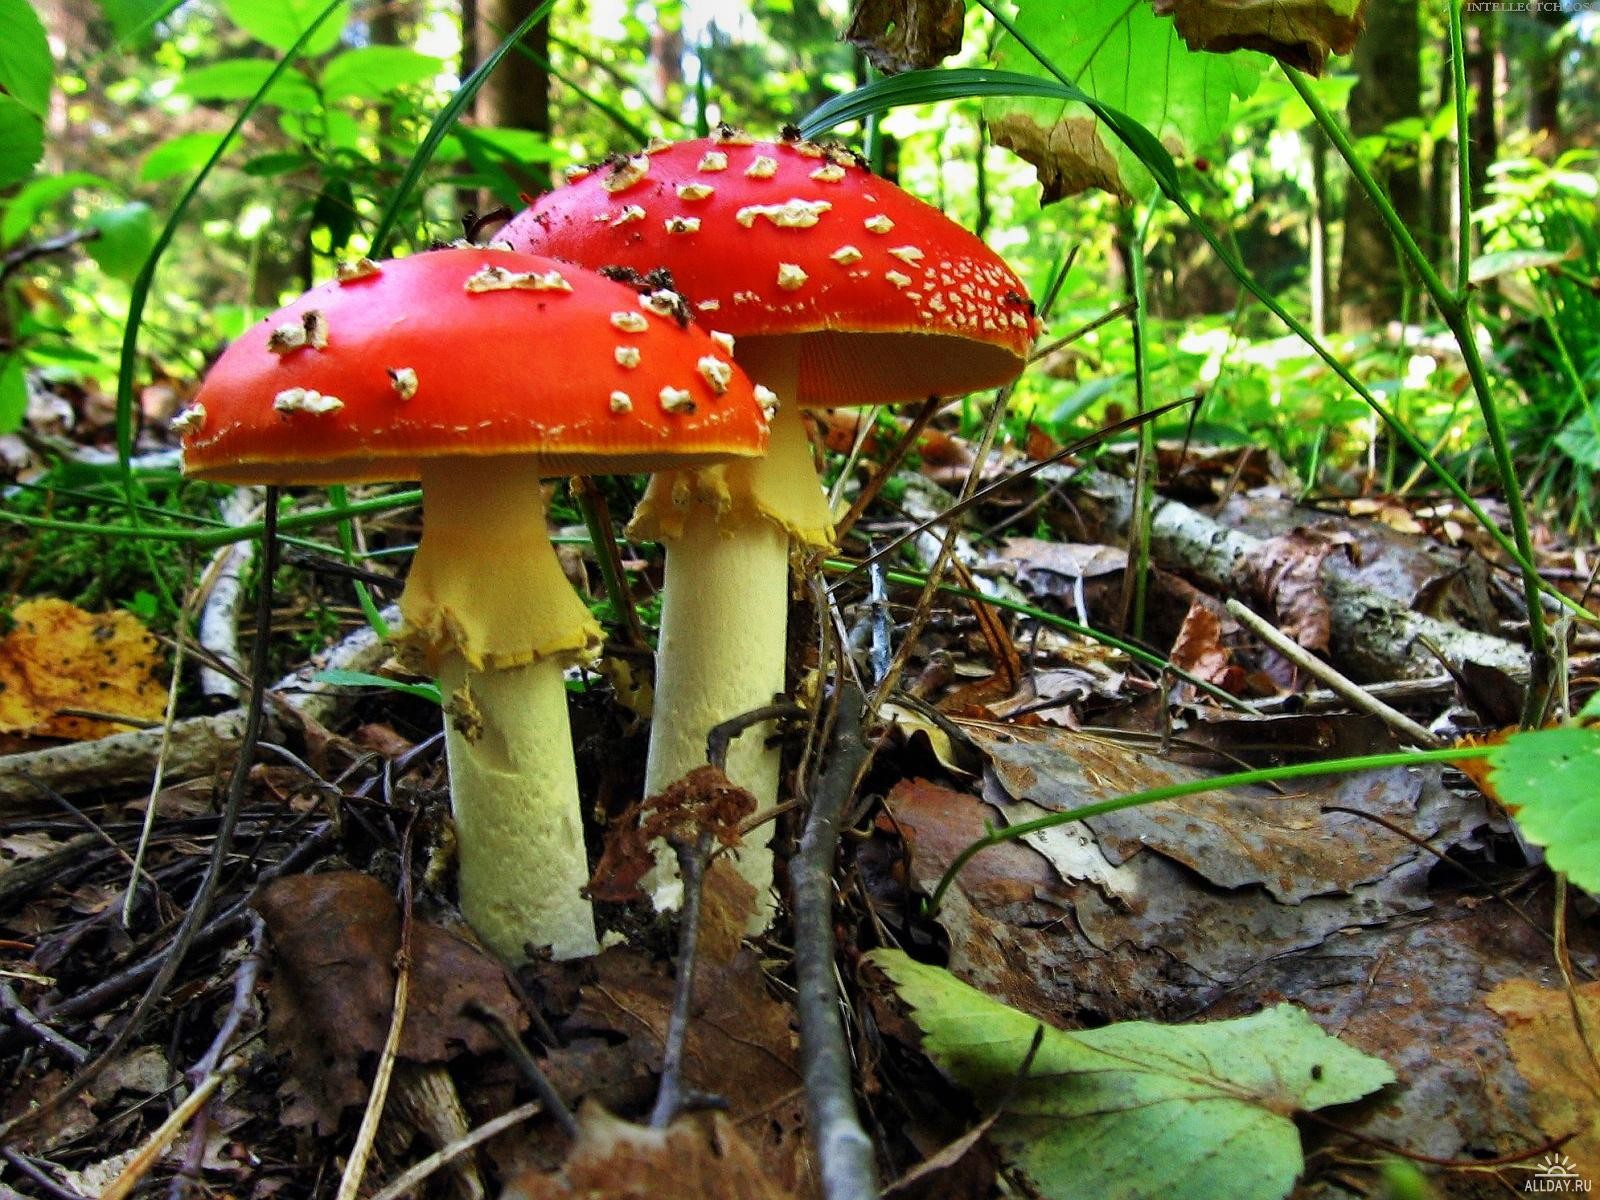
x: 890, y: 298
x: 469, y: 352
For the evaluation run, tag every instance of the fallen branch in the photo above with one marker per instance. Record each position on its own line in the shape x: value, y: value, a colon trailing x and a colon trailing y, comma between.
x: 223, y: 581
x: 1374, y: 634
x: 844, y: 1152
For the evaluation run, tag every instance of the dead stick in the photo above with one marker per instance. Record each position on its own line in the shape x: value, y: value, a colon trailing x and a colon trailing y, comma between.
x: 692, y: 858
x: 843, y: 1149
x: 1336, y: 682
x: 23, y: 1017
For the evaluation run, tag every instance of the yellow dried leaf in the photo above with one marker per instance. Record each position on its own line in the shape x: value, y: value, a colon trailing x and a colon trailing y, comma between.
x: 59, y: 657
x: 1544, y: 1044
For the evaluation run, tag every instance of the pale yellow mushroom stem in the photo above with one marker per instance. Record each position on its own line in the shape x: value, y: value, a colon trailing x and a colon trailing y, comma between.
x: 488, y: 608
x: 724, y: 614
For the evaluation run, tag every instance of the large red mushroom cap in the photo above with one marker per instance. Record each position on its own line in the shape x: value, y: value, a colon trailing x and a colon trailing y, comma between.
x: 469, y: 352
x: 887, y: 298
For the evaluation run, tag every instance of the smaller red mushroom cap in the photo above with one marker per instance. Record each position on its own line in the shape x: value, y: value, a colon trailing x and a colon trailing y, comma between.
x: 470, y: 352
x: 886, y: 297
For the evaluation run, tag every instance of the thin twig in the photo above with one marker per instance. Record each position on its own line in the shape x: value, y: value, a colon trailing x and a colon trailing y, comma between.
x: 414, y: 1175
x: 526, y: 1063
x: 887, y: 468
x: 692, y: 858
x: 1335, y: 681
x: 156, y: 1144
x: 355, y: 1167
x: 721, y: 735
x: 23, y: 1018
x: 52, y: 1189
x: 844, y: 1151
x: 17, y: 259
x: 200, y: 906
x: 244, y: 986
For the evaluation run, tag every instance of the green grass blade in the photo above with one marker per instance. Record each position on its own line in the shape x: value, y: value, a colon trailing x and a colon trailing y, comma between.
x: 443, y: 124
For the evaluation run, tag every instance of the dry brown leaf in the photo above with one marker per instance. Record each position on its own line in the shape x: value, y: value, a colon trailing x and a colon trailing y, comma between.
x: 1301, y: 33
x: 695, y: 1158
x: 1545, y: 1046
x: 1286, y: 572
x: 59, y: 657
x: 1070, y: 155
x: 906, y: 35
x: 334, y: 940
x: 1198, y: 649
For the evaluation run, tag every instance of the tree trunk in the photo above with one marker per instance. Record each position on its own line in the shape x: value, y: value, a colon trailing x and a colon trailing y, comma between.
x: 1544, y: 80
x: 1388, y: 89
x: 517, y: 94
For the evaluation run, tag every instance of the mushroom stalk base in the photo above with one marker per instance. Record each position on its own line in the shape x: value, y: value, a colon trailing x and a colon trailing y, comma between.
x: 489, y: 608
x: 724, y: 625
x: 514, y: 791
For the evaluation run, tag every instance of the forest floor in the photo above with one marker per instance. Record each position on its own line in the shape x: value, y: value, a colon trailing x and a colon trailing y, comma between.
x: 1397, y: 907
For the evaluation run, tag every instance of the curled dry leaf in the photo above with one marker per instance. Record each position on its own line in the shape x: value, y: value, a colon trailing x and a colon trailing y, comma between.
x: 1198, y: 649
x: 334, y: 940
x: 906, y: 35
x: 1286, y: 572
x: 1301, y: 33
x: 692, y: 1159
x: 59, y: 657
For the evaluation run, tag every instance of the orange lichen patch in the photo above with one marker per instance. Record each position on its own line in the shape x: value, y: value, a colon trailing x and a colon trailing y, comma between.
x: 59, y: 657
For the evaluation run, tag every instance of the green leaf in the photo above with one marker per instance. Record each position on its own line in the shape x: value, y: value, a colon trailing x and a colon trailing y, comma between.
x: 1129, y: 59
x: 132, y: 19
x: 1579, y: 438
x: 372, y: 72
x: 1551, y: 779
x: 38, y: 194
x: 126, y: 235
x: 1137, y: 1109
x: 266, y: 165
x: 241, y: 78
x: 13, y: 394
x: 279, y: 23
x: 21, y: 141
x: 180, y: 156
x: 26, y: 68
x: 423, y: 691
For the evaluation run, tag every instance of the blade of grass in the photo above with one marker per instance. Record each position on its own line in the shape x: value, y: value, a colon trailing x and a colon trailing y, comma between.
x: 443, y: 124
x: 139, y: 293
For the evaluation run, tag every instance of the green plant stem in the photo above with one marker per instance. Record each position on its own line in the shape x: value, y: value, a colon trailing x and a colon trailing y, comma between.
x: 347, y: 547
x: 1336, y: 766
x: 1454, y: 309
x: 1144, y: 476
x: 1458, y: 65
x: 139, y: 293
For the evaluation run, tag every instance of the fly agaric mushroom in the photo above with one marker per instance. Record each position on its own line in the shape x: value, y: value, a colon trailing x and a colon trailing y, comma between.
x: 479, y: 371
x: 842, y: 289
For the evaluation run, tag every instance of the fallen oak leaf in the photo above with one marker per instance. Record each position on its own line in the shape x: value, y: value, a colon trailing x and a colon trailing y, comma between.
x: 1548, y: 1053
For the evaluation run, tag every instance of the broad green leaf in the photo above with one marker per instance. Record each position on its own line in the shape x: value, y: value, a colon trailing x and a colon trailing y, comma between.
x: 1579, y: 438
x: 1301, y: 33
x: 279, y: 23
x: 372, y: 72
x: 131, y: 19
x: 126, y: 235
x: 21, y: 141
x: 1138, y: 1110
x: 26, y: 68
x: 1129, y: 59
x: 423, y: 691
x: 1550, y: 778
x: 13, y: 394
x: 38, y: 194
x: 241, y: 78
x: 1504, y: 262
x: 180, y: 156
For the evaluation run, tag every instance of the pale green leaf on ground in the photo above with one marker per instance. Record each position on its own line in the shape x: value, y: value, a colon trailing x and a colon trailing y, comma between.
x: 26, y: 67
x: 279, y: 23
x: 1550, y: 778
x: 1128, y: 58
x: 21, y: 141
x: 1301, y: 33
x: 1137, y: 1109
x: 372, y: 72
